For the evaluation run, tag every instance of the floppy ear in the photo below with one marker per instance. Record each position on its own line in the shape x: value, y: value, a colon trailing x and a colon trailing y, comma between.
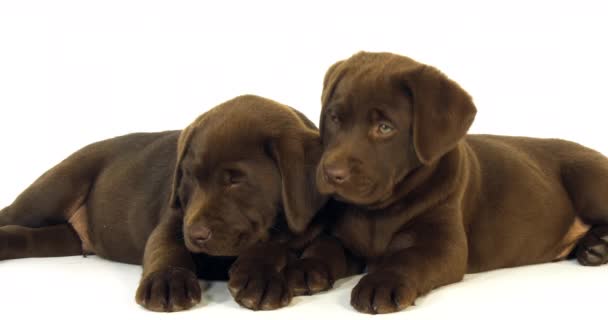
x: 331, y: 79
x: 297, y: 154
x: 443, y: 112
x: 182, y: 146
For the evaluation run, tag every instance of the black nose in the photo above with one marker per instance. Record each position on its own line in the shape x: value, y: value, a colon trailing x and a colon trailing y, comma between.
x: 336, y: 174
x: 199, y: 234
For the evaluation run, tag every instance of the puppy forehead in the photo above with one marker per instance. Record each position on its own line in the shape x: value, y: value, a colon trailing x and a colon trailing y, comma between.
x: 239, y: 129
x: 364, y: 92
x: 225, y: 144
x: 370, y: 81
x: 249, y: 111
x: 372, y: 77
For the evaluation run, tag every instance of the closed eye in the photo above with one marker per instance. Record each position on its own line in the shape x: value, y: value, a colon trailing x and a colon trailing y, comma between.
x: 234, y: 177
x: 333, y: 116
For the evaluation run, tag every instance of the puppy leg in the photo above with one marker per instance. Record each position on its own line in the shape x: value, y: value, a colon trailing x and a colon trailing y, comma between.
x: 586, y: 181
x: 53, y: 241
x: 56, y: 195
x: 322, y: 262
x: 169, y: 282
x: 437, y: 257
x: 256, y: 278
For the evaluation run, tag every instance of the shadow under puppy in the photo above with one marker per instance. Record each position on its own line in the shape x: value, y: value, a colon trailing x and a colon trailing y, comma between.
x: 423, y: 202
x: 242, y: 180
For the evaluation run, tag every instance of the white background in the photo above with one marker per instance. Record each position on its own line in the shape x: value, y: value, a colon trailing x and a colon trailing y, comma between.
x: 73, y: 72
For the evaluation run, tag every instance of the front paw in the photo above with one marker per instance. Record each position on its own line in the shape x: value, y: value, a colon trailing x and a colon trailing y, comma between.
x: 258, y: 287
x: 169, y: 290
x: 308, y: 276
x: 382, y: 292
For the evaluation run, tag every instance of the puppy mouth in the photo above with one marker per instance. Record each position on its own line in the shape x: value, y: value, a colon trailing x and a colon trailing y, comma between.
x: 200, y: 248
x: 362, y: 193
x: 232, y: 246
x: 215, y: 247
x: 211, y: 251
x: 323, y: 185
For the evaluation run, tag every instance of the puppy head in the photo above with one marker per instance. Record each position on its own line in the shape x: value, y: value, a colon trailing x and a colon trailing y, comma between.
x: 239, y: 167
x: 383, y: 116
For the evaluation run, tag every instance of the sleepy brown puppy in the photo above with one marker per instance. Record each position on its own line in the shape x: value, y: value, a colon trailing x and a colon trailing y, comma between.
x: 181, y: 203
x: 424, y: 203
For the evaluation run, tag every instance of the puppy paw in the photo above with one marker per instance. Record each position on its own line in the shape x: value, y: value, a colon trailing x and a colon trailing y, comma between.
x: 258, y: 287
x: 308, y: 276
x: 593, y: 247
x: 382, y: 292
x: 170, y: 290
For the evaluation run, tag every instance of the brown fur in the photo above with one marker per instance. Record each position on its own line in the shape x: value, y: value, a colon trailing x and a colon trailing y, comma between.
x: 243, y: 174
x: 423, y: 203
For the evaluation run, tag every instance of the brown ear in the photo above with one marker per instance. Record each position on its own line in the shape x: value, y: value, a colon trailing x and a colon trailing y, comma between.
x: 297, y: 154
x: 443, y: 112
x: 182, y: 146
x: 332, y: 77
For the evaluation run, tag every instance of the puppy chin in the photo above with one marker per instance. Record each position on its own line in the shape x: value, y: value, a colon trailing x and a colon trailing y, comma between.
x: 369, y: 197
x: 231, y: 252
x: 362, y: 192
x: 356, y: 199
x: 194, y: 248
x: 209, y: 249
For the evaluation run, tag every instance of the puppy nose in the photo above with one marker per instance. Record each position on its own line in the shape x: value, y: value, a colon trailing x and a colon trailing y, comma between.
x: 199, y: 234
x: 336, y: 174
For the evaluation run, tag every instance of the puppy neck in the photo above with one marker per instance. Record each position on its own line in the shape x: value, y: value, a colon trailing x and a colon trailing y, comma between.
x: 423, y: 181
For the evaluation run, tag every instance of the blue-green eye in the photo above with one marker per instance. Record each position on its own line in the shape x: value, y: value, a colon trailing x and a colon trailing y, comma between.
x: 385, y: 128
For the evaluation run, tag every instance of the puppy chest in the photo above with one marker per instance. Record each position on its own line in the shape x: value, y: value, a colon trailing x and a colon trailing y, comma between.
x: 364, y: 235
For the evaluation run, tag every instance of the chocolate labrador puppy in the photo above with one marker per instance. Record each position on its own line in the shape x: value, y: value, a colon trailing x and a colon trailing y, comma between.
x: 243, y: 176
x: 424, y: 203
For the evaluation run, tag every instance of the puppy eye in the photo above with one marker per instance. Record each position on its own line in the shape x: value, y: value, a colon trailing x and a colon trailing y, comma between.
x: 334, y: 117
x: 384, y: 129
x: 233, y: 177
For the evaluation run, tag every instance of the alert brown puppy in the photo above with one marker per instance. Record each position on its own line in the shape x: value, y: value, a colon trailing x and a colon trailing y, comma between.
x: 424, y: 203
x: 182, y: 203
